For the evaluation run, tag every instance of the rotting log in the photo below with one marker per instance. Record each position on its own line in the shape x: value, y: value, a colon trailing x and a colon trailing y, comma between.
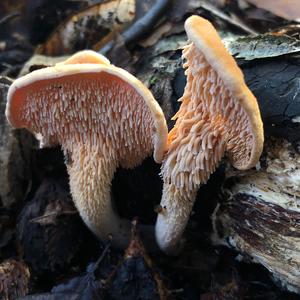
x: 260, y: 214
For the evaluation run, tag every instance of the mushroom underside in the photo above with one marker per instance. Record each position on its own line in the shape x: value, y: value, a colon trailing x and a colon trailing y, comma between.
x: 209, y: 122
x: 94, y: 109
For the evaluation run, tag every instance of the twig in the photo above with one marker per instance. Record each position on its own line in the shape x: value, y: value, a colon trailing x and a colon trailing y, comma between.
x: 67, y: 212
x: 103, y: 254
x: 176, y: 291
x: 141, y: 26
x: 9, y: 17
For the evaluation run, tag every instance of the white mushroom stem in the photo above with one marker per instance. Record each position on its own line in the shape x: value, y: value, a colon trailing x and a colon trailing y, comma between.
x: 176, y: 207
x: 189, y: 162
x: 90, y: 181
x: 90, y: 177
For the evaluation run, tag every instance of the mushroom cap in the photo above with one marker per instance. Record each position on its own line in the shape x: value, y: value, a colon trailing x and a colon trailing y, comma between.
x: 94, y: 103
x: 207, y: 41
x: 86, y: 57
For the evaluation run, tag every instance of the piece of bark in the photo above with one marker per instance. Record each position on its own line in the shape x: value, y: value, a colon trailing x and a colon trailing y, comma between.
x: 135, y: 277
x: 276, y: 84
x: 14, y: 156
x: 260, y: 216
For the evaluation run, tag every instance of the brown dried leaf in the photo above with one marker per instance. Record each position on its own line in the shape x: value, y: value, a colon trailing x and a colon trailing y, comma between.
x: 90, y: 28
x: 232, y: 290
x: 14, y: 279
x: 52, y: 211
x: 287, y: 9
x: 157, y: 35
x: 8, y: 6
x: 41, y: 60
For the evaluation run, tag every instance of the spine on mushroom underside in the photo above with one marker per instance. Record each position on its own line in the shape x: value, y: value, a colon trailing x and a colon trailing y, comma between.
x: 196, y: 144
x: 211, y: 95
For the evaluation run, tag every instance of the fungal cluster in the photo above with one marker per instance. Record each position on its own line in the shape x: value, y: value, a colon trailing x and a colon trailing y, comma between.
x: 103, y: 117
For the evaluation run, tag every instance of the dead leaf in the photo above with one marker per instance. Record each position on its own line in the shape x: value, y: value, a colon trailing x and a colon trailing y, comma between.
x: 14, y: 279
x: 90, y: 28
x: 171, y: 43
x: 235, y: 21
x: 292, y: 30
x: 38, y: 60
x: 287, y: 9
x: 52, y: 211
x: 261, y: 46
x: 136, y: 276
x: 157, y: 35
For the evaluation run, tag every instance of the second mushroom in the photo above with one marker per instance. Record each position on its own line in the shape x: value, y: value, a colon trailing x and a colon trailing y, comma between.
x: 218, y: 115
x: 103, y: 117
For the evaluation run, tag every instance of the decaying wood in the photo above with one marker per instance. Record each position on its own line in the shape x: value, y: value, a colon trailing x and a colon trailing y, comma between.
x: 261, y: 214
x: 50, y: 230
x: 14, y: 156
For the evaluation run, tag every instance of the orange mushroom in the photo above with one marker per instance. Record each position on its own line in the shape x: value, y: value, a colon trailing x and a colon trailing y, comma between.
x: 218, y: 115
x: 85, y: 57
x: 103, y: 117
